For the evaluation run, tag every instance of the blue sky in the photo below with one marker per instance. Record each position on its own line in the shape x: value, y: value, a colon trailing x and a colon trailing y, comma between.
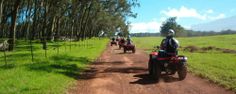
x: 152, y: 13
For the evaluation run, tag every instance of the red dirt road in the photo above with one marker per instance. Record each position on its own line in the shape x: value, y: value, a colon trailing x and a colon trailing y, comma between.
x: 118, y: 73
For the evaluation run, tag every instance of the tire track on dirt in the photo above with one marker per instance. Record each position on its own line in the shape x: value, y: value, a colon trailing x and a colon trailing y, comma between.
x: 118, y: 73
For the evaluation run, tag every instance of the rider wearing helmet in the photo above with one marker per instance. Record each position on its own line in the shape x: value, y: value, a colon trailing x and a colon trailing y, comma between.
x: 113, y: 39
x: 129, y: 42
x: 170, y: 44
x: 122, y: 40
x: 117, y: 38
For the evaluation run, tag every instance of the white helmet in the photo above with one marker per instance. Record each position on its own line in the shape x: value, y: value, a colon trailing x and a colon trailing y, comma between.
x: 171, y: 32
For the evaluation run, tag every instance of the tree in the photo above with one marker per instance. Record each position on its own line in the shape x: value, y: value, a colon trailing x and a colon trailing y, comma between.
x: 171, y: 23
x: 12, y: 34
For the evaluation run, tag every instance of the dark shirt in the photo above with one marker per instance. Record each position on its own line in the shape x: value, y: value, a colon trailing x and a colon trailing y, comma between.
x: 122, y: 41
x: 129, y: 42
x: 170, y: 45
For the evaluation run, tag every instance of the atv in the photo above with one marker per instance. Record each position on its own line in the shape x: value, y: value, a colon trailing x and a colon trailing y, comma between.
x: 117, y: 39
x: 159, y: 63
x: 113, y: 43
x: 129, y: 47
x: 121, y: 43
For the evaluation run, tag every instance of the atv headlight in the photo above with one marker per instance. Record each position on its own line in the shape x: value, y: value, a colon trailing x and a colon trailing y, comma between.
x: 185, y: 58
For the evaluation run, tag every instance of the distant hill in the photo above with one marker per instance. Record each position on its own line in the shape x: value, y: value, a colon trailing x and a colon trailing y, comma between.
x: 217, y: 25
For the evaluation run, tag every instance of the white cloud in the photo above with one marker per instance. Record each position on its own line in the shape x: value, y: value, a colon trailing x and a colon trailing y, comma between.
x: 209, y: 11
x: 184, y: 12
x: 162, y: 19
x: 151, y: 27
x: 220, y: 16
x: 187, y: 26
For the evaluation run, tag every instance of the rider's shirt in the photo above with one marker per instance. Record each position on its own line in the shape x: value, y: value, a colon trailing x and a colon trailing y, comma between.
x: 170, y: 45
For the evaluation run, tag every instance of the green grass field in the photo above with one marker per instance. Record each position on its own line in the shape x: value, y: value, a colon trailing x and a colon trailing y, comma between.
x: 220, y: 41
x: 53, y: 74
x: 215, y: 65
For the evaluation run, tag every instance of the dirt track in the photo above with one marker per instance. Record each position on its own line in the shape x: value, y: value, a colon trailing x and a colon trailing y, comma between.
x: 118, y: 73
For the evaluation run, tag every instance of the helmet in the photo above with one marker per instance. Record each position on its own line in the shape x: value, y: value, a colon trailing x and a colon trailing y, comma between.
x: 170, y: 33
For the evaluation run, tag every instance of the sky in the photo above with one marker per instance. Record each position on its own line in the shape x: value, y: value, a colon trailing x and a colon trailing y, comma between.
x: 152, y: 13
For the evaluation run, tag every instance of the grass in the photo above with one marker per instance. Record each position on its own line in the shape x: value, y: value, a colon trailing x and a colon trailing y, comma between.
x: 220, y: 41
x: 53, y: 74
x: 214, y: 65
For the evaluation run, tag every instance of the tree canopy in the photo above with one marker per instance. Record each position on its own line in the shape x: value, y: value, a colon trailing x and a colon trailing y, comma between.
x: 56, y: 19
x: 171, y: 23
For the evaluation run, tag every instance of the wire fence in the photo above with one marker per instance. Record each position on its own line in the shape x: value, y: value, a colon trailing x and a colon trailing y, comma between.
x: 30, y: 48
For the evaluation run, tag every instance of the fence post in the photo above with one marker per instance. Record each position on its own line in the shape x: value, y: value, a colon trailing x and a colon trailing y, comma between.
x: 5, y: 57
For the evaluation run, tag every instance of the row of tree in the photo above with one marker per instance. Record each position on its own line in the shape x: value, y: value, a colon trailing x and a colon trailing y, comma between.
x: 145, y: 34
x: 61, y: 19
x: 191, y: 33
x: 187, y: 33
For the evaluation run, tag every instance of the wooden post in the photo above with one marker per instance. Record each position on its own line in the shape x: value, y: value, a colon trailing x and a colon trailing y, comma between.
x: 31, y: 50
x: 5, y: 57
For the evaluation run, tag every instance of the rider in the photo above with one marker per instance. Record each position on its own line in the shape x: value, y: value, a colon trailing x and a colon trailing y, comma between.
x: 113, y: 39
x: 129, y: 41
x: 122, y: 40
x: 170, y: 44
x: 117, y: 38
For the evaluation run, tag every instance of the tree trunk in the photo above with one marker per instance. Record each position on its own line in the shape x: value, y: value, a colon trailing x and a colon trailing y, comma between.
x: 13, y: 25
x: 58, y: 29
x: 51, y: 32
x: 85, y: 30
x: 1, y: 25
x: 1, y: 9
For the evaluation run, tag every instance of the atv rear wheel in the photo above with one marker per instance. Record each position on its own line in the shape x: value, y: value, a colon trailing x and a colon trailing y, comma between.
x: 133, y: 50
x: 182, y: 72
x: 150, y: 67
x: 124, y: 50
x: 156, y: 71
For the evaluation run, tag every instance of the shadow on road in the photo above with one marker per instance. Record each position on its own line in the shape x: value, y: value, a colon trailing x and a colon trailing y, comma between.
x: 169, y: 78
x: 89, y: 73
x: 126, y: 53
x: 126, y: 69
x: 117, y: 49
x: 113, y: 63
x: 144, y: 79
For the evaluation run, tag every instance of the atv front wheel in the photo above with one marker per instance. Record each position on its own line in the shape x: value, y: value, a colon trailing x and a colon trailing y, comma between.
x: 172, y: 72
x: 119, y: 46
x: 182, y: 72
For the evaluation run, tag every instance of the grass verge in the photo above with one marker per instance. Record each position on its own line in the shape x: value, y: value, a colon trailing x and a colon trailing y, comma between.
x: 47, y: 75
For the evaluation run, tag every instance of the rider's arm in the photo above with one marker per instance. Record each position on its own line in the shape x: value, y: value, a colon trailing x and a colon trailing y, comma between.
x: 162, y: 45
x: 174, y: 43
